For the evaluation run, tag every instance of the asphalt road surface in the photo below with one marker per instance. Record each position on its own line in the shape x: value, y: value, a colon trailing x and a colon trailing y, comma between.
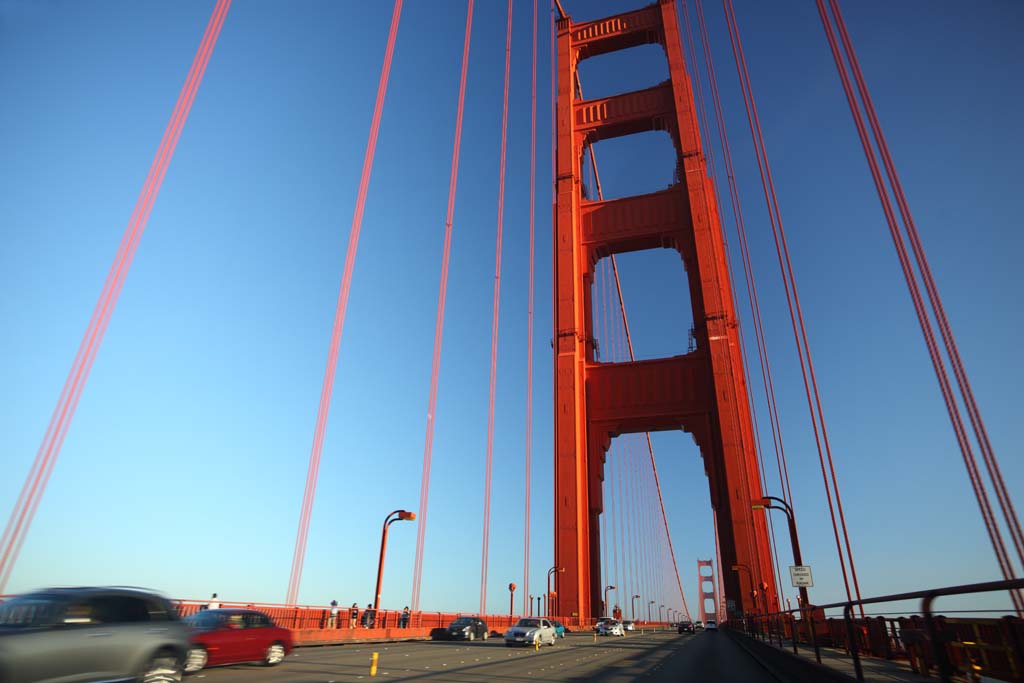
x: 651, y: 658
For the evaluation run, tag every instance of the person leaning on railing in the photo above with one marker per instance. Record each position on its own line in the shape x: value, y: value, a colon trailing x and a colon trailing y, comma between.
x: 353, y: 616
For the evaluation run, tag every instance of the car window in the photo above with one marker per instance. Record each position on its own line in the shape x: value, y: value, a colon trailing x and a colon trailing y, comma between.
x: 113, y: 609
x: 30, y: 611
x: 236, y: 621
x: 257, y: 620
x: 160, y: 610
x: 529, y: 623
x: 204, y: 621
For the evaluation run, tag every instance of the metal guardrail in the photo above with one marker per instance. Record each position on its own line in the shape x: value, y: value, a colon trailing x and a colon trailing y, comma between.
x: 318, y: 617
x: 954, y: 646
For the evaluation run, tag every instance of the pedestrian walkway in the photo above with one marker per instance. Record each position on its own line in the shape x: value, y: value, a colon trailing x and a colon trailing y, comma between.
x: 875, y: 670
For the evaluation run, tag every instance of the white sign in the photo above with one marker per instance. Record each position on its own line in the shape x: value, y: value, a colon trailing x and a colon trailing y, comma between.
x: 801, y: 576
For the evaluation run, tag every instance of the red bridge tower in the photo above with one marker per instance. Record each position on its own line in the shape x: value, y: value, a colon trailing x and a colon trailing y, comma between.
x: 702, y: 392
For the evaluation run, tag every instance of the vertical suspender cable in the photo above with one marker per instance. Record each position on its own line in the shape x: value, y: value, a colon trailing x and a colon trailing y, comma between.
x: 439, y: 324
x: 970, y: 462
x: 945, y: 329
x: 629, y: 345
x: 766, y: 374
x: 691, y: 43
x: 529, y: 319
x: 326, y: 390
x: 494, y: 321
x: 53, y: 439
x: 793, y: 301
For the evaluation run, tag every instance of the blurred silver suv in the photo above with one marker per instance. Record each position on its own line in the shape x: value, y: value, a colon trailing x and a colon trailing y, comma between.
x: 91, y: 634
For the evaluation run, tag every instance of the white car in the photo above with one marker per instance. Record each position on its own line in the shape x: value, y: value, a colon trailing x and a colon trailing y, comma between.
x: 610, y: 627
x: 531, y: 631
x: 710, y: 626
x: 629, y: 625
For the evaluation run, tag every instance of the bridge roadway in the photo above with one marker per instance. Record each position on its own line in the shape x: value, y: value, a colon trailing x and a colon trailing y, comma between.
x: 650, y: 658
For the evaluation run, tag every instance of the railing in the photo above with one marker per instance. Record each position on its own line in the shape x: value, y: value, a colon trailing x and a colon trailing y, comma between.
x: 952, y: 646
x: 318, y: 617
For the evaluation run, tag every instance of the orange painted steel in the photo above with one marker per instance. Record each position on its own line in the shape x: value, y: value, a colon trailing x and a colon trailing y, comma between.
x: 701, y: 392
x: 703, y: 578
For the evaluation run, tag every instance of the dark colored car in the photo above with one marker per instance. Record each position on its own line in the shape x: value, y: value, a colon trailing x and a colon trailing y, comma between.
x: 233, y: 636
x: 91, y: 634
x: 687, y: 627
x: 468, y: 628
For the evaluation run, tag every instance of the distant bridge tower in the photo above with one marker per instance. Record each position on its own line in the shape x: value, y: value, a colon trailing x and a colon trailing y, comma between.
x: 706, y: 582
x: 702, y: 392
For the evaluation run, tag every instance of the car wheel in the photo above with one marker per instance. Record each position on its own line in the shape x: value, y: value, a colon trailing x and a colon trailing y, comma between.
x: 195, y: 659
x: 471, y: 636
x: 164, y: 667
x: 485, y: 635
x: 274, y: 654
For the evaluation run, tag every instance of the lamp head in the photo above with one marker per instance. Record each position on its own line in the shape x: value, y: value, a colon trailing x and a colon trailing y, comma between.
x: 405, y: 514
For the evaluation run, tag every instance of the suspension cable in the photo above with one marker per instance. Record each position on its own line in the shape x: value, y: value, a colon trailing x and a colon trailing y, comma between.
x: 967, y: 453
x: 494, y: 321
x: 933, y: 294
x: 327, y: 389
x: 793, y: 301
x: 529, y: 319
x: 629, y: 345
x: 42, y: 467
x: 439, y: 324
x: 748, y: 272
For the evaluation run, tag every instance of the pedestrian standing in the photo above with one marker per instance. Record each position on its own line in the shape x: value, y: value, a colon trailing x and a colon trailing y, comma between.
x: 403, y: 621
x: 214, y: 602
x: 369, y: 616
x: 332, y: 621
x: 353, y: 616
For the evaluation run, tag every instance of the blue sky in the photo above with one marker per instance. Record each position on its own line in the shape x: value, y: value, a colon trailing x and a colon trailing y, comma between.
x: 184, y: 467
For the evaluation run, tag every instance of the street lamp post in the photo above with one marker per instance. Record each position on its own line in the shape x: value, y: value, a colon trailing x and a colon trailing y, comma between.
x: 531, y: 605
x: 388, y: 521
x: 649, y: 611
x: 606, y: 589
x: 633, y: 605
x: 550, y: 601
x: 538, y: 605
x: 511, y: 593
x: 660, y: 617
x: 766, y: 504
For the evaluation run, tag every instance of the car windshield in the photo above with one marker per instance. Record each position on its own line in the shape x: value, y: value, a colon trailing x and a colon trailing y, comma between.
x: 529, y: 623
x: 463, y: 621
x: 711, y: 623
x: 30, y: 611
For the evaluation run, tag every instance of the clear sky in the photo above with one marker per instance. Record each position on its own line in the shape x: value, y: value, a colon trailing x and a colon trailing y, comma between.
x: 184, y: 468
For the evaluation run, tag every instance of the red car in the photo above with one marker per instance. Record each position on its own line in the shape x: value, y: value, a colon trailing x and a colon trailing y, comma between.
x: 232, y: 636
